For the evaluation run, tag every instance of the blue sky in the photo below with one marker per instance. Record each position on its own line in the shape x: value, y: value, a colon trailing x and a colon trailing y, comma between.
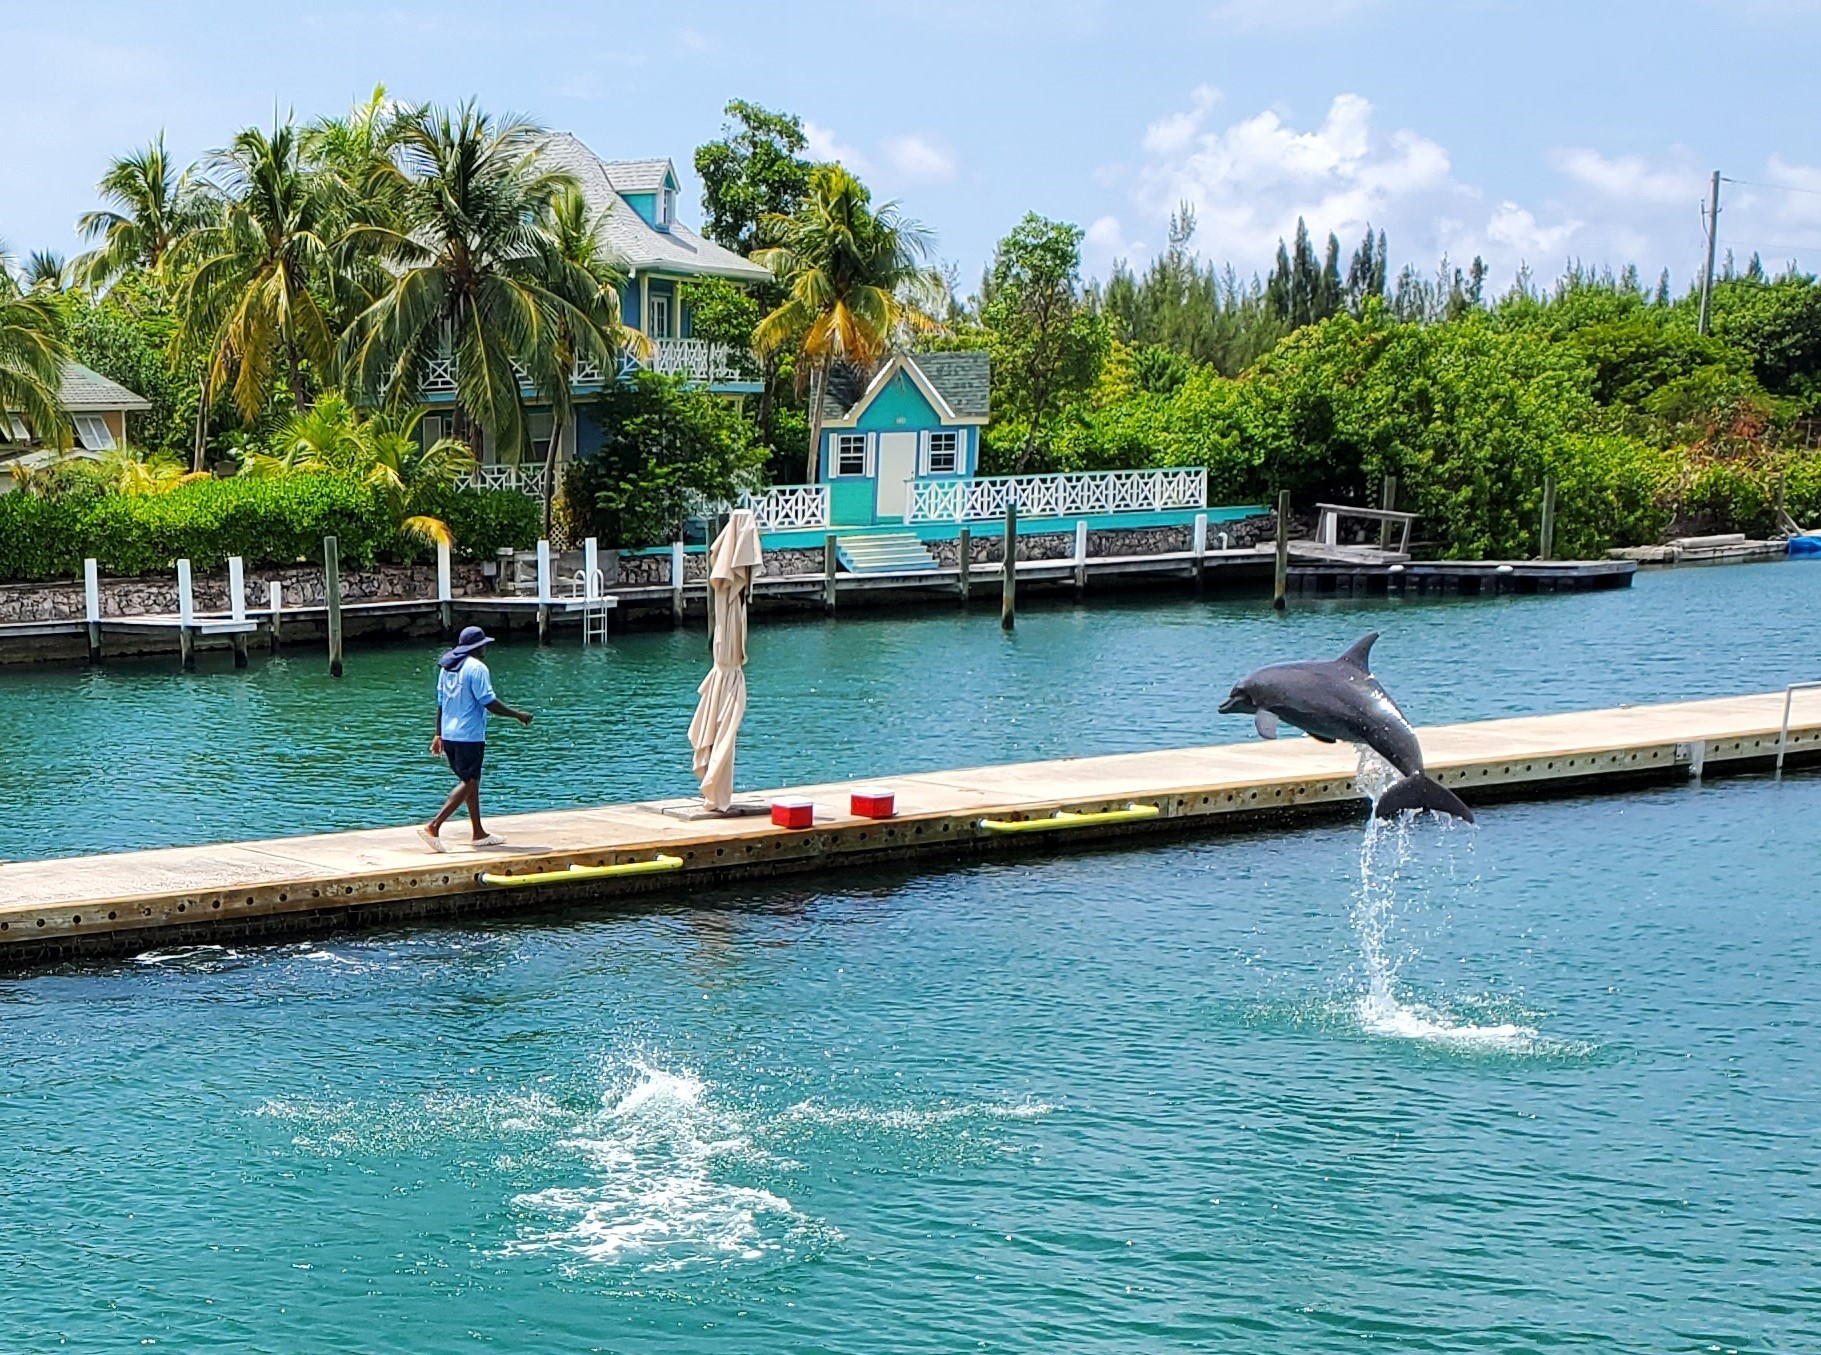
x: 1527, y: 132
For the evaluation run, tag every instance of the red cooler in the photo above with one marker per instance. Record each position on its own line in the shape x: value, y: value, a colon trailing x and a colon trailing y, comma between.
x: 873, y: 802
x: 791, y: 812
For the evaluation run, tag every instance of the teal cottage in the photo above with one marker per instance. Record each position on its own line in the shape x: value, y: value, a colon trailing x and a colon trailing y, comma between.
x: 903, y: 440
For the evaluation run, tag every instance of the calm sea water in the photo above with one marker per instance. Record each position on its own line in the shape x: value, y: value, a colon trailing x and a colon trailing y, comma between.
x: 1544, y: 1084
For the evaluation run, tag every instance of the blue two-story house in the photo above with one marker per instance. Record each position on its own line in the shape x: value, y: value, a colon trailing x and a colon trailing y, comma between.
x: 914, y: 427
x: 636, y: 201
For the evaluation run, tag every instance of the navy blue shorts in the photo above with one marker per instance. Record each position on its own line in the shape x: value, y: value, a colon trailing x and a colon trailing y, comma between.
x: 465, y: 758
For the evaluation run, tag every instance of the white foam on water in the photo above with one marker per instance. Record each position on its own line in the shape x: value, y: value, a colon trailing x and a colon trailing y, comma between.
x: 915, y: 1119
x: 660, y: 1152
x: 1385, y: 853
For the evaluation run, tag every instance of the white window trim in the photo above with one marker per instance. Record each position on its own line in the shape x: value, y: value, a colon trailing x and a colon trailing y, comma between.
x: 651, y: 328
x: 19, y: 431
x: 929, y: 452
x: 866, y: 457
x: 92, y: 432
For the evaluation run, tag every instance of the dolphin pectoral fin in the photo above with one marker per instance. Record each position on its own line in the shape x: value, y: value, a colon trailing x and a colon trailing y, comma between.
x: 1419, y: 792
x: 1359, y: 654
x: 1266, y: 724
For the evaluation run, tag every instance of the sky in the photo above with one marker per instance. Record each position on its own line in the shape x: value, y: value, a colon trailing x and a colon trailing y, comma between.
x: 1532, y: 133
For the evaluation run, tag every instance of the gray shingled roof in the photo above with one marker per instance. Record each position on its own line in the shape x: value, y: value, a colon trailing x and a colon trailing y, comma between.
x: 84, y: 391
x: 641, y: 247
x: 964, y: 379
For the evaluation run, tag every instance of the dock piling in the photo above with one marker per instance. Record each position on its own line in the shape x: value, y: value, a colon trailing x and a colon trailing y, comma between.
x: 676, y: 583
x: 1008, y: 575
x: 1547, y: 534
x: 237, y: 607
x: 331, y: 592
x: 1081, y: 559
x: 445, y: 590
x: 1281, y: 575
x: 186, y: 618
x: 1199, y: 544
x: 1388, y: 502
x: 91, y: 602
x: 831, y: 562
x: 543, y: 593
x: 275, y: 604
x: 964, y: 562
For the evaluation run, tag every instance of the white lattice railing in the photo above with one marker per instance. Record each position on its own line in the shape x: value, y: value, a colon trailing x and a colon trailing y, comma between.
x: 784, y: 507
x: 439, y: 375
x: 528, y: 480
x: 694, y: 359
x: 1057, y: 496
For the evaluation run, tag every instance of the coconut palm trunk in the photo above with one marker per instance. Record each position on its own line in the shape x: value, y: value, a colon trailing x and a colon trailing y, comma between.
x: 550, y: 461
x: 818, y: 382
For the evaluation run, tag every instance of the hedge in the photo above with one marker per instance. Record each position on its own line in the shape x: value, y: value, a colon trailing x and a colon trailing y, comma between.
x: 265, y: 522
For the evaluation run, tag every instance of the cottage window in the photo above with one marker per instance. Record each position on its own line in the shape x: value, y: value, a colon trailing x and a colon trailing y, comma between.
x: 943, y: 453
x: 850, y: 454
x: 542, y: 429
x: 659, y: 328
x: 92, y: 432
x: 20, y: 433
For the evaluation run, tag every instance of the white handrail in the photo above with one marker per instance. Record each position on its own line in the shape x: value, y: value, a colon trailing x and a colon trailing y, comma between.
x: 1085, y: 493
x: 1789, y: 700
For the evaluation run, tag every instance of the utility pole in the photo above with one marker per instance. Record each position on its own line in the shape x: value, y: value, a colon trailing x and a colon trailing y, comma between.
x: 1707, y: 274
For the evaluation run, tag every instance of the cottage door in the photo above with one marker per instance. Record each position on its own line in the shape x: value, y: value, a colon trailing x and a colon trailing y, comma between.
x: 897, y: 468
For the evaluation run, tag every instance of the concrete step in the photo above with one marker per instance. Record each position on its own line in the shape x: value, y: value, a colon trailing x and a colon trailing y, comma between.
x: 884, y: 553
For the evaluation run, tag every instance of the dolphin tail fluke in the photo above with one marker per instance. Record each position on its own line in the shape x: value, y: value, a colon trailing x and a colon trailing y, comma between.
x: 1420, y: 792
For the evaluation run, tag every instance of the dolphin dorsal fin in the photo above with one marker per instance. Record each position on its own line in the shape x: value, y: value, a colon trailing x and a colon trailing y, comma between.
x: 1359, y: 655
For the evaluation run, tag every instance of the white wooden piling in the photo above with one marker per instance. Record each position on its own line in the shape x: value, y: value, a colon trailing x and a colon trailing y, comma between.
x: 543, y: 592
x: 275, y: 604
x: 91, y: 603
x: 676, y: 583
x: 1199, y: 544
x: 1081, y: 559
x: 237, y: 607
x: 445, y: 588
x: 186, y: 617
x: 331, y: 578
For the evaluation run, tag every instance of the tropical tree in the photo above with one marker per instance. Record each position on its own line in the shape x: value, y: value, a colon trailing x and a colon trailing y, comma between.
x: 354, y: 159
x: 475, y: 267
x: 46, y: 270
x: 856, y: 277
x: 32, y: 353
x: 579, y: 269
x: 151, y: 206
x: 247, y: 300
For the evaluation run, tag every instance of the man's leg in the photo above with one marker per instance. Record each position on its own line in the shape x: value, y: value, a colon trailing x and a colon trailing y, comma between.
x: 472, y: 791
x: 464, y: 793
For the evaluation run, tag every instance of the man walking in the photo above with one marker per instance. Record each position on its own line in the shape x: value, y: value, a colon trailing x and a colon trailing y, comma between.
x: 464, y: 695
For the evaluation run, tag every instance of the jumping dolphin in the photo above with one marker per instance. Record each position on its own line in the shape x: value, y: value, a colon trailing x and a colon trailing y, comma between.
x: 1340, y: 700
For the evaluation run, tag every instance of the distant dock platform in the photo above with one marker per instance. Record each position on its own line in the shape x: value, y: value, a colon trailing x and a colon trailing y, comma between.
x: 62, y: 909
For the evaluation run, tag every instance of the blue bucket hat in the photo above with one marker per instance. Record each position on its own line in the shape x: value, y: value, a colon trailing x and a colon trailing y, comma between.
x: 472, y: 640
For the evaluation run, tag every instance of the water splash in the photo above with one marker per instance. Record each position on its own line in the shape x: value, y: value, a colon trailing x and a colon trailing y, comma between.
x: 1385, y: 855
x: 663, y: 1156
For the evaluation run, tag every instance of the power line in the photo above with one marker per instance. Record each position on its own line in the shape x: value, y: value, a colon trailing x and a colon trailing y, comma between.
x: 1777, y: 187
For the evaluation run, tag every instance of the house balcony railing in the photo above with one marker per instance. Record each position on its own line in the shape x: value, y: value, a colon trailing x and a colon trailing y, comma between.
x: 691, y: 359
x: 784, y: 508
x: 1057, y: 496
x: 527, y: 480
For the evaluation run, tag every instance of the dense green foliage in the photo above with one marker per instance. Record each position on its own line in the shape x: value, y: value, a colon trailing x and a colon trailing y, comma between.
x: 667, y: 448
x: 264, y: 521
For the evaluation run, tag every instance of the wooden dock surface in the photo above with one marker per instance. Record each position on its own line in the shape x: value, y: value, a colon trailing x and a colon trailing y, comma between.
x: 121, y: 903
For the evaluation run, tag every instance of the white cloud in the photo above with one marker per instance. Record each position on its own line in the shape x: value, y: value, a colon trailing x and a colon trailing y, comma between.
x: 917, y: 160
x: 1630, y: 178
x: 1105, y: 242
x: 901, y: 161
x: 1287, y: 13
x: 822, y: 145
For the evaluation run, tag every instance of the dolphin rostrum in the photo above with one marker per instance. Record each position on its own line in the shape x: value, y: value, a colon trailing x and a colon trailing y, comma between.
x: 1340, y: 701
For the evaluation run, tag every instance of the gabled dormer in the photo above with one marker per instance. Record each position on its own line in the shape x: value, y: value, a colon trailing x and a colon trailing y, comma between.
x: 649, y: 187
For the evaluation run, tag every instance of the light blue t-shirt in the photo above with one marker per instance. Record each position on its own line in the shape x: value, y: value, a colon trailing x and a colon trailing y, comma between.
x: 463, y: 694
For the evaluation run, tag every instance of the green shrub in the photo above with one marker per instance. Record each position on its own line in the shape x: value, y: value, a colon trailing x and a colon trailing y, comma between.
x: 274, y: 521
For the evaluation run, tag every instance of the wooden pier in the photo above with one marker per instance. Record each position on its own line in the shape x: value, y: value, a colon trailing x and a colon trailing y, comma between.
x: 58, y: 909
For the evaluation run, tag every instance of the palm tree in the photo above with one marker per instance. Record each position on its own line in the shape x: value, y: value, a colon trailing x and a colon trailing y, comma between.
x: 32, y: 354
x: 354, y: 157
x: 152, y: 207
x: 246, y: 298
x: 475, y: 268
x: 856, y: 276
x: 579, y: 268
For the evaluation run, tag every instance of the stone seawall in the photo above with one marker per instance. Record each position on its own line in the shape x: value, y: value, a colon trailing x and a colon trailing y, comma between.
x: 986, y: 545
x: 303, y: 587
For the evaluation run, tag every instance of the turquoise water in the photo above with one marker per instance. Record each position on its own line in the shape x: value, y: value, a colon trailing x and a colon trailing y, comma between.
x: 1546, y: 1084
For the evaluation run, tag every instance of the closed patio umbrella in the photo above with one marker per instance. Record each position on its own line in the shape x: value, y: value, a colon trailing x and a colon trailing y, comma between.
x: 733, y: 559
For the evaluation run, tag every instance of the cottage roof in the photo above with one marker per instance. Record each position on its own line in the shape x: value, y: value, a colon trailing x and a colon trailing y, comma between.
x: 640, y: 246
x: 85, y: 391
x: 962, y: 380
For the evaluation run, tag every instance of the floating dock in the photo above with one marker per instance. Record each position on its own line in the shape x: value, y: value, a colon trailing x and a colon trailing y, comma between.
x: 60, y: 909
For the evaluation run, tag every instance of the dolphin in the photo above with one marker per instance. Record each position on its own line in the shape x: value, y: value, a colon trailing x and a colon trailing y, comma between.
x: 1340, y: 701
